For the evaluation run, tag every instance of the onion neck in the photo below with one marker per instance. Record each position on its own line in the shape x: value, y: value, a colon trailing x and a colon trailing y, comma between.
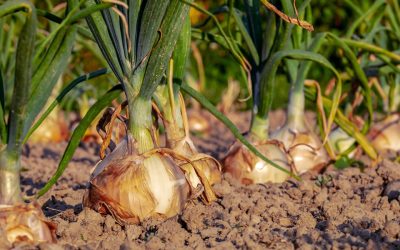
x: 174, y: 128
x: 295, y: 119
x: 259, y: 128
x: 141, y: 123
x: 259, y: 120
x: 10, y: 191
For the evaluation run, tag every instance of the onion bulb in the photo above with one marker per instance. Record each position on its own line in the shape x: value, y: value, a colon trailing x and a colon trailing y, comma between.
x: 210, y: 166
x: 198, y: 124
x: 134, y: 187
x: 385, y: 135
x: 24, y: 223
x: 341, y: 141
x: 303, y: 146
x: 202, y: 169
x: 53, y: 129
x: 246, y: 167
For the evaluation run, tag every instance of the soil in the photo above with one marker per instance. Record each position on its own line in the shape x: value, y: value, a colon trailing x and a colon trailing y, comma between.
x: 346, y: 209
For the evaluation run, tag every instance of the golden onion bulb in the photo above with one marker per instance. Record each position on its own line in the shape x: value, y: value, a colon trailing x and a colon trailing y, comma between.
x: 304, y: 147
x: 53, y: 129
x: 209, y: 166
x: 246, y: 167
x: 133, y: 187
x: 24, y: 223
x: 198, y: 123
x: 341, y: 141
x: 385, y: 135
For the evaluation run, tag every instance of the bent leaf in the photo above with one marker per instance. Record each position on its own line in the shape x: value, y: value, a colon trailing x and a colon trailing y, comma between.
x: 79, y: 132
x: 60, y: 97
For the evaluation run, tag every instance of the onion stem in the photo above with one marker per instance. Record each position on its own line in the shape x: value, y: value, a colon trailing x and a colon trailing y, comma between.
x: 10, y: 191
x: 174, y: 127
x: 259, y: 128
x: 140, y: 123
x: 295, y: 119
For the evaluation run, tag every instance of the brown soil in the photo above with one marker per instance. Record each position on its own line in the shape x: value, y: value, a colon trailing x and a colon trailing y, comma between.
x: 349, y: 209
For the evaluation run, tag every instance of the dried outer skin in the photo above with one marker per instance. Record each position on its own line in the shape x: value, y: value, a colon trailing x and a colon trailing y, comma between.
x: 304, y: 147
x: 135, y: 187
x: 209, y: 165
x: 201, y: 170
x: 244, y: 166
x: 24, y: 223
x: 385, y: 135
x: 121, y: 151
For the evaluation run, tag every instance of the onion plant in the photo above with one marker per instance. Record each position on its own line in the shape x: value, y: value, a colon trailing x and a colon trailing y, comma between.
x: 33, y: 82
x: 264, y: 47
x: 139, y: 179
x: 173, y: 113
x: 39, y: 63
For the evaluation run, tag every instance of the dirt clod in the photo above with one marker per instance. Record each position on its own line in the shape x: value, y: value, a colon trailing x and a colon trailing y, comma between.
x: 392, y: 190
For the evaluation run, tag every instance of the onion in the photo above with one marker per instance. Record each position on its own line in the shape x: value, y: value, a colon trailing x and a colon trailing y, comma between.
x: 24, y: 223
x: 303, y: 145
x: 385, y: 135
x: 244, y: 166
x: 202, y: 169
x: 341, y: 141
x: 53, y: 129
x: 134, y: 187
x: 198, y: 124
x: 210, y: 166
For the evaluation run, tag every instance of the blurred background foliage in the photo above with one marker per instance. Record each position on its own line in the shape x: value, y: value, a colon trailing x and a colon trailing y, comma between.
x: 211, y: 67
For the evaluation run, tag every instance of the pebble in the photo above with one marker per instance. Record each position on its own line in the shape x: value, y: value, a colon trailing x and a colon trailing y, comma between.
x: 392, y: 190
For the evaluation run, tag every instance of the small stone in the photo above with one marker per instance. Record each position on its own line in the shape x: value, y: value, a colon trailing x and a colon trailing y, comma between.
x: 392, y: 190
x: 307, y: 220
x: 255, y: 219
x: 285, y: 222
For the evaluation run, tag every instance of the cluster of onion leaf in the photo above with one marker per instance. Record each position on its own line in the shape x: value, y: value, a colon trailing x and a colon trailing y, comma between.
x: 384, y: 133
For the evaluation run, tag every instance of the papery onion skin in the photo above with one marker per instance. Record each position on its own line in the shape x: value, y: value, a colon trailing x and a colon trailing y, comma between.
x: 385, y: 135
x: 136, y: 187
x: 24, y: 223
x: 304, y: 147
x: 209, y: 165
x: 244, y: 166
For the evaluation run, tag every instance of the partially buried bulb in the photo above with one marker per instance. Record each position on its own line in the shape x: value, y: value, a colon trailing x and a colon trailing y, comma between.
x: 304, y: 147
x: 133, y: 187
x: 24, y: 223
x: 246, y: 167
x: 385, y: 135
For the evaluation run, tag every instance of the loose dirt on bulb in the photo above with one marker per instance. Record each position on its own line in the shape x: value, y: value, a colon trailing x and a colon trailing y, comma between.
x: 345, y: 209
